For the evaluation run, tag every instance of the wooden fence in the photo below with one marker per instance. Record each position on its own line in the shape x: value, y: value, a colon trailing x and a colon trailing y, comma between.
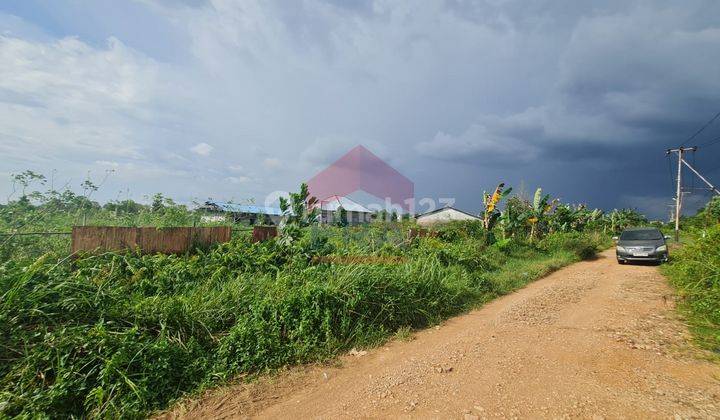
x: 420, y: 233
x: 149, y: 240
x: 264, y: 233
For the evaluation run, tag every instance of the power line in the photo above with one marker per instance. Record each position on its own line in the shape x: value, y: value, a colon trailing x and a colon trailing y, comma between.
x: 710, y: 143
x: 672, y: 175
x: 692, y: 180
x: 701, y: 129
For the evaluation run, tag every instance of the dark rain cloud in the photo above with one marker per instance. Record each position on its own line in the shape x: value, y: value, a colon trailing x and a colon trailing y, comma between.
x: 579, y: 98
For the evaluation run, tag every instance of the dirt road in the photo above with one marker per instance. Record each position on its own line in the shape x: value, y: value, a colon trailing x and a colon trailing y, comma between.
x: 594, y: 340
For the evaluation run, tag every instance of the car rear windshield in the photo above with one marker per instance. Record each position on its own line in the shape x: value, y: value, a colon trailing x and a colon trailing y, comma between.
x: 641, y: 235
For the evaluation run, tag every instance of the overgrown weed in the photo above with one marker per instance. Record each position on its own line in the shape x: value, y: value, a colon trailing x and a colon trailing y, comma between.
x: 121, y: 335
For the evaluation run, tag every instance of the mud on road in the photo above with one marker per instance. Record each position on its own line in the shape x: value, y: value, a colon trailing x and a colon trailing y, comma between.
x: 593, y: 340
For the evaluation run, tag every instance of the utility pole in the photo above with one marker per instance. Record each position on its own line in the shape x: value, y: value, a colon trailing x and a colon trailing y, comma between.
x: 679, y: 193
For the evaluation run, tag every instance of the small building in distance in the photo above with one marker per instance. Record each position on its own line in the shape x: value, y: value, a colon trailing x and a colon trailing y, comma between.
x: 444, y: 215
x: 218, y: 211
x: 329, y: 210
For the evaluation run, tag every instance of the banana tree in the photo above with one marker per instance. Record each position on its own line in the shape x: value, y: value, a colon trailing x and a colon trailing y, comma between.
x: 564, y: 218
x: 491, y: 201
x: 568, y: 217
x: 542, y: 205
x: 513, y: 219
x: 590, y: 218
x: 619, y: 220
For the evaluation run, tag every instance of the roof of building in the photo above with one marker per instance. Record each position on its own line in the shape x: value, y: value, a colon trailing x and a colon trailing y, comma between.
x: 334, y: 202
x: 448, y: 208
x: 241, y: 208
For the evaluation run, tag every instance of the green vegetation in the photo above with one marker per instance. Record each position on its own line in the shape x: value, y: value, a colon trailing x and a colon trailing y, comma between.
x: 57, y: 211
x: 695, y: 272
x: 123, y: 334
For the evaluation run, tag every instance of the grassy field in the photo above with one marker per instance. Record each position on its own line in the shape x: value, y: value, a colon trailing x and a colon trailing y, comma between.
x: 125, y: 334
x: 61, y: 215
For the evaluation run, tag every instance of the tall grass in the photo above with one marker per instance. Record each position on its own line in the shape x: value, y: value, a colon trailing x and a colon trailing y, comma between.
x: 124, y: 334
x: 695, y: 272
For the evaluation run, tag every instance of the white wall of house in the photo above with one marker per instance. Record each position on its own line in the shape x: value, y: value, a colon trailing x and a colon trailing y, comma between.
x: 213, y: 218
x: 445, y: 215
x: 353, y: 217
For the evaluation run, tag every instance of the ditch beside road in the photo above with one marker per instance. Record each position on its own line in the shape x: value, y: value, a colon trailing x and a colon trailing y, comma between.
x: 593, y: 340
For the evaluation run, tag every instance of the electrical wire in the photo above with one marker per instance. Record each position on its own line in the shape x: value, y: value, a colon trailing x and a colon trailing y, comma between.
x: 672, y: 175
x: 710, y: 142
x: 707, y: 124
x: 692, y: 180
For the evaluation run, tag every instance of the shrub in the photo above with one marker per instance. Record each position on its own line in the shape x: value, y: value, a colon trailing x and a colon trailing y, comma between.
x: 695, y: 272
x: 124, y: 334
x: 461, y: 230
x: 713, y: 209
x: 583, y: 246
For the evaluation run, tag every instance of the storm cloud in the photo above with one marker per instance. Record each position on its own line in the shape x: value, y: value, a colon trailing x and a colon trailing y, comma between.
x: 236, y: 99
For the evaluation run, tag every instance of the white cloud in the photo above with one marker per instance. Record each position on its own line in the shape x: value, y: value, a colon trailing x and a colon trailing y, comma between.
x: 272, y: 163
x: 74, y: 107
x: 237, y: 179
x: 66, y: 100
x: 107, y: 163
x: 202, y: 149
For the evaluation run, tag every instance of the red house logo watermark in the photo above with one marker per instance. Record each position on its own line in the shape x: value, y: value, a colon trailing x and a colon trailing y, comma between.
x: 361, y: 170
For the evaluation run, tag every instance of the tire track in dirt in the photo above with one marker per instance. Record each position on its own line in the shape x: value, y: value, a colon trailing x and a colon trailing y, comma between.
x: 593, y: 340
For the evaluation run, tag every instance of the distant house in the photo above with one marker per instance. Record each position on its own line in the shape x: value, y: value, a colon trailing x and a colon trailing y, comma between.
x: 329, y: 210
x: 443, y: 215
x: 220, y: 210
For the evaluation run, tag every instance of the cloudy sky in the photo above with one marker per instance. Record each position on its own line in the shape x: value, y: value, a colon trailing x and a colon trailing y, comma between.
x: 235, y: 99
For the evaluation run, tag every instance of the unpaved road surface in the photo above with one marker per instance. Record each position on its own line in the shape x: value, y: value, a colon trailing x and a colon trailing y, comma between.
x: 594, y: 340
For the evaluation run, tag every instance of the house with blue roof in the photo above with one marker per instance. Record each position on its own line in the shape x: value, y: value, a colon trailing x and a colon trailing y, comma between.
x: 216, y: 211
x: 328, y: 209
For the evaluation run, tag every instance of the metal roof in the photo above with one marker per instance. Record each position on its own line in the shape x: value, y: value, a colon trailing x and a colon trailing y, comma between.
x: 447, y: 208
x: 334, y: 202
x: 331, y: 203
x: 241, y: 208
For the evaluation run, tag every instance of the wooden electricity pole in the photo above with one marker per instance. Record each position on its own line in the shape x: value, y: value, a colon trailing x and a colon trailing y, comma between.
x: 678, y: 192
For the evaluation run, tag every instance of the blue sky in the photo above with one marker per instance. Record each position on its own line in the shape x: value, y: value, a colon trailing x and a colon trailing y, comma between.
x: 237, y: 99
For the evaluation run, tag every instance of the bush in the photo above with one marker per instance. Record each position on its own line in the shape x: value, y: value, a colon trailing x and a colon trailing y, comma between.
x: 124, y: 334
x: 462, y: 230
x: 695, y: 272
x: 713, y: 209
x: 582, y: 245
